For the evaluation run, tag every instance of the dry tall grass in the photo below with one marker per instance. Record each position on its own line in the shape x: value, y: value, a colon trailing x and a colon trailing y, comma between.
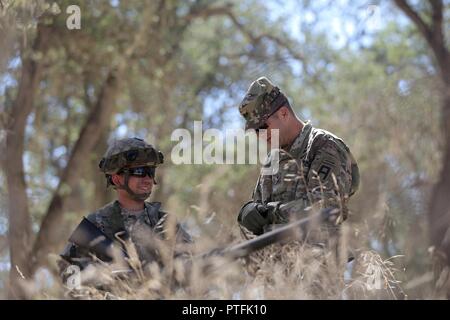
x: 293, y: 270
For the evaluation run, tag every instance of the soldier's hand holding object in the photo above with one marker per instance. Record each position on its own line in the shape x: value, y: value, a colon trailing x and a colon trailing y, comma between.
x: 254, y: 216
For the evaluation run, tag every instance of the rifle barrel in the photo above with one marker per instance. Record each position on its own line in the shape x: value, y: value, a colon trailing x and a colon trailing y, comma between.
x: 290, y: 231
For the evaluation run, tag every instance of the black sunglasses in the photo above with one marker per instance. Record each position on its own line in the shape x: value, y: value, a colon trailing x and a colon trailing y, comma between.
x: 140, y: 171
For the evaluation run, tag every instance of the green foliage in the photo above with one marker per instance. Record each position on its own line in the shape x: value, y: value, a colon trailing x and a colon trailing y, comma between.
x: 380, y: 95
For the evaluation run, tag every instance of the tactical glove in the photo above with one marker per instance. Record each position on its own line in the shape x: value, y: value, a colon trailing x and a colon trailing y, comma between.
x: 254, y: 216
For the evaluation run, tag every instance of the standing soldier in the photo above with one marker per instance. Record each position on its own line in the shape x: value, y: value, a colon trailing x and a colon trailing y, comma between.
x: 316, y: 168
x: 129, y: 166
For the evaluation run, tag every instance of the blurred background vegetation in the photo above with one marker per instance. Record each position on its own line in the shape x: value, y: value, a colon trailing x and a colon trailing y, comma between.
x: 360, y: 69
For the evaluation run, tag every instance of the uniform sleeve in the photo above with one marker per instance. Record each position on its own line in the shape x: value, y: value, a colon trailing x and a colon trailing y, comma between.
x: 328, y: 183
x: 263, y: 189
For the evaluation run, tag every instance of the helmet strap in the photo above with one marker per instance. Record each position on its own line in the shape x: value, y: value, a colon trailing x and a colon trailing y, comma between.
x: 134, y: 195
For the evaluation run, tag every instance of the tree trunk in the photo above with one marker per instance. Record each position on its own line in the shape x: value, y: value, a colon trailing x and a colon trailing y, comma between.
x: 439, y: 207
x: 19, y: 218
x: 439, y: 214
x: 49, y: 233
x: 101, y: 194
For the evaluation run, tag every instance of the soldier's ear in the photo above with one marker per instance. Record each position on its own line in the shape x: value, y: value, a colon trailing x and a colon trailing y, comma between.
x: 283, y: 112
x: 116, y: 179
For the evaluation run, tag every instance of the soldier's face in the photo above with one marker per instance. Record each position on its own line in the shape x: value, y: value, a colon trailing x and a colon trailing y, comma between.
x: 137, y: 184
x: 285, y: 122
x: 141, y: 184
x: 275, y: 122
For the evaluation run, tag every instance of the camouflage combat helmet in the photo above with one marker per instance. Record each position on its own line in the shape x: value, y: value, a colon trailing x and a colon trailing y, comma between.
x: 129, y: 153
x: 262, y: 99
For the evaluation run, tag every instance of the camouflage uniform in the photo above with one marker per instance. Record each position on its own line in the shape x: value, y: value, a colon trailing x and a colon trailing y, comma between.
x: 317, y: 168
x: 113, y: 221
x: 142, y: 228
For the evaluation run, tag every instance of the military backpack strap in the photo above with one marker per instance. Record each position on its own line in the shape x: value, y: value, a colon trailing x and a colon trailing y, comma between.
x: 115, y: 223
x: 153, y: 213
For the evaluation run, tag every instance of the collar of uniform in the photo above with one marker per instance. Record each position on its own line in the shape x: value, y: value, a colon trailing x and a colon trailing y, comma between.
x: 132, y: 213
x: 301, y: 140
x: 125, y: 212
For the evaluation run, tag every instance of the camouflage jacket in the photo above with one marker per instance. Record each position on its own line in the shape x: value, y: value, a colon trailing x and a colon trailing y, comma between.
x: 113, y: 223
x: 317, y: 168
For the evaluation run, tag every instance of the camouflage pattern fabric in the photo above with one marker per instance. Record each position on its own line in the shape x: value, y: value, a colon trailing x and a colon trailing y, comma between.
x: 318, y: 168
x: 113, y: 223
x: 263, y: 98
x: 129, y: 152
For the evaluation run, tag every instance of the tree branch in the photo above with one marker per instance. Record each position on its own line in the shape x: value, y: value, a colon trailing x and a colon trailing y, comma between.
x: 414, y: 16
x: 226, y: 10
x: 100, y: 115
x: 433, y: 34
x: 19, y: 232
x: 438, y: 210
x: 438, y: 40
x: 49, y: 234
x: 259, y: 38
x: 3, y: 243
x: 207, y: 12
x: 437, y: 14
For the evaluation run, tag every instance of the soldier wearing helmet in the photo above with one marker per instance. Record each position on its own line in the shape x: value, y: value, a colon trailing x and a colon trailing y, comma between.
x: 316, y: 168
x: 129, y: 166
x: 128, y: 158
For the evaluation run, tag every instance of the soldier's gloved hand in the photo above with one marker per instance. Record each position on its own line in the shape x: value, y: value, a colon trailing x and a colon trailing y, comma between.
x: 254, y: 216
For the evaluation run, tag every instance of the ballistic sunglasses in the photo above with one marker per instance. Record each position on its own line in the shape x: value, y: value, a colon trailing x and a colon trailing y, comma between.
x: 140, y: 171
